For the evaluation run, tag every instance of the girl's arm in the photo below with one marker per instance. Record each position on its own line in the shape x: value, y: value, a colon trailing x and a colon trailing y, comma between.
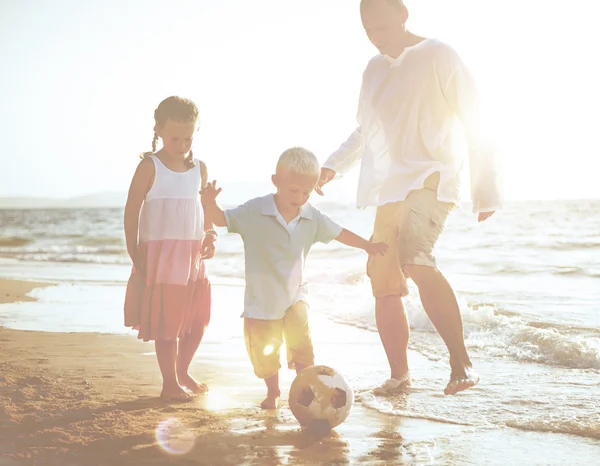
x: 210, y: 237
x: 140, y: 185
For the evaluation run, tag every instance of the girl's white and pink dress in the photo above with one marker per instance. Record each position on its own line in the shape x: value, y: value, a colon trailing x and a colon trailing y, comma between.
x: 174, y: 297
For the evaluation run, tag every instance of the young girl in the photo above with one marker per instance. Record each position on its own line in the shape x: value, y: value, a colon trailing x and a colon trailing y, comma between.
x: 168, y: 294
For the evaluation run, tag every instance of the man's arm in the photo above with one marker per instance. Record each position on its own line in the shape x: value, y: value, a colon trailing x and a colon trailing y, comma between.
x: 347, y: 155
x: 462, y: 96
x: 351, y: 151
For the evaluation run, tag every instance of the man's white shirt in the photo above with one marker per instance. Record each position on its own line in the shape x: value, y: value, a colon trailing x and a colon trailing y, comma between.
x: 407, y: 113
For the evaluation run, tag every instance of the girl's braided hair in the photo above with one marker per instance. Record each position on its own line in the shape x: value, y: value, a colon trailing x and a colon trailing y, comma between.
x: 177, y: 109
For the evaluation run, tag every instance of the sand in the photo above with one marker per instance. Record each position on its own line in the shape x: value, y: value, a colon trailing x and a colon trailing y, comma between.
x: 13, y: 291
x: 74, y: 399
x: 79, y: 399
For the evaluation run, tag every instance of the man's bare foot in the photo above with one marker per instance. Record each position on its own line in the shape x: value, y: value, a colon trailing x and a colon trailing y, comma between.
x: 175, y: 394
x: 192, y: 384
x: 462, y: 380
x: 394, y: 386
x: 271, y: 401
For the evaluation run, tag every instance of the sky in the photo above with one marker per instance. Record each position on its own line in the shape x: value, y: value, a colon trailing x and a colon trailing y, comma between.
x: 79, y: 83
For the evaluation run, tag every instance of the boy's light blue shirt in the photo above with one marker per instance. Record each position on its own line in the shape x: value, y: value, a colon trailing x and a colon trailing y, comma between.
x: 275, y: 254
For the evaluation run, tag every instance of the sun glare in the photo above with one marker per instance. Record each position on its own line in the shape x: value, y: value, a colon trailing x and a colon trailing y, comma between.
x: 174, y: 437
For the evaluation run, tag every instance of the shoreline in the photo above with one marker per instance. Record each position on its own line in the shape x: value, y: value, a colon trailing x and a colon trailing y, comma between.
x: 92, y: 398
x: 14, y: 291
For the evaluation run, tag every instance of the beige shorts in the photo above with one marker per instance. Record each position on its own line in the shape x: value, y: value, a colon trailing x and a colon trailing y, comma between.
x: 265, y: 337
x: 411, y: 229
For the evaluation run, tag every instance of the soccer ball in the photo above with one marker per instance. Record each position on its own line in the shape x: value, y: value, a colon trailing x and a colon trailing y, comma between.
x: 320, y: 398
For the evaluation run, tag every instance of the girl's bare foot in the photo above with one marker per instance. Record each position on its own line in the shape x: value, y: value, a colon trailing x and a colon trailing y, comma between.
x: 192, y: 384
x: 271, y: 401
x: 175, y: 394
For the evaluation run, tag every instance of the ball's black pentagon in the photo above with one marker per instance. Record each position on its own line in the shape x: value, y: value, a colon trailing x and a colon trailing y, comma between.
x: 339, y: 398
x: 306, y: 397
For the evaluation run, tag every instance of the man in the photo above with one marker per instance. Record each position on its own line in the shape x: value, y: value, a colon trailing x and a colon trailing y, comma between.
x: 412, y: 93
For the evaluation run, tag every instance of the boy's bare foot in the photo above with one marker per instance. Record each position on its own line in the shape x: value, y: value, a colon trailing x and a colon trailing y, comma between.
x: 175, y: 394
x: 271, y: 401
x: 192, y: 384
x: 461, y: 380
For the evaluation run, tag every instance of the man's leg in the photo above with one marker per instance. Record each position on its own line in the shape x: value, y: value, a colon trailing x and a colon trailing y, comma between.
x: 392, y: 325
x: 440, y: 304
x: 389, y: 285
x: 418, y: 232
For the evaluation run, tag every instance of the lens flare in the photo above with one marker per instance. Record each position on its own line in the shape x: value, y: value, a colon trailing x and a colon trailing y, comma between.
x: 269, y: 350
x: 174, y: 437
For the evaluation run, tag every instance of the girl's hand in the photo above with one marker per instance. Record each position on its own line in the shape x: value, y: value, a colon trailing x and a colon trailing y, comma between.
x: 137, y: 264
x: 209, y: 245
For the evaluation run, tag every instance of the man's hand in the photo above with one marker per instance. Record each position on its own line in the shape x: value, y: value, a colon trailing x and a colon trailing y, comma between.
x: 210, y: 192
x: 209, y: 245
x: 326, y: 176
x: 376, y: 249
x: 484, y: 216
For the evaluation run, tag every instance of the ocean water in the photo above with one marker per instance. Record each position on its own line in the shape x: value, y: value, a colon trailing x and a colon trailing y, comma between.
x: 528, y: 283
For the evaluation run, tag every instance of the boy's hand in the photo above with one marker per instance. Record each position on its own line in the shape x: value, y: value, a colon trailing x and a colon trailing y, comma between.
x: 326, y: 176
x: 376, y: 249
x: 210, y: 192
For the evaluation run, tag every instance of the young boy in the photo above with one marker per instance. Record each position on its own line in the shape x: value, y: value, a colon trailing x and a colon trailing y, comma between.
x: 278, y: 231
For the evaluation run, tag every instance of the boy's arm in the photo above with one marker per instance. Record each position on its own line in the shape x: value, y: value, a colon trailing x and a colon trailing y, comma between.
x: 237, y: 219
x: 353, y: 240
x: 329, y: 230
x: 208, y: 223
x: 214, y: 212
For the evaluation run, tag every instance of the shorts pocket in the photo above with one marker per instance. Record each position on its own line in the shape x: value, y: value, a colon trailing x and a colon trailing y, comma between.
x: 419, y: 234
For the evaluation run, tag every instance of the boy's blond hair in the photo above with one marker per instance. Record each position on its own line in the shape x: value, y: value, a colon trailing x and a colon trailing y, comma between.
x: 298, y: 160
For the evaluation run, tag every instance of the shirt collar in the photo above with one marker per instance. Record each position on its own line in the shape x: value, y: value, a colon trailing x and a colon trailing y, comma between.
x: 392, y: 60
x: 268, y: 207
